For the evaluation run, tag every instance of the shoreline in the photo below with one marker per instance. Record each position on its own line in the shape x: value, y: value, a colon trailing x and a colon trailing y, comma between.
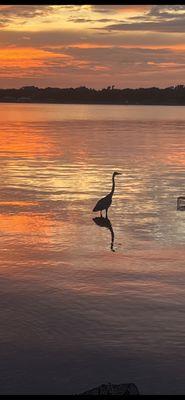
x: 93, y: 103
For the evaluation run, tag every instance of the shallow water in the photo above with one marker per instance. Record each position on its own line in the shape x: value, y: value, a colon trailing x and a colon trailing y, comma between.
x: 75, y: 314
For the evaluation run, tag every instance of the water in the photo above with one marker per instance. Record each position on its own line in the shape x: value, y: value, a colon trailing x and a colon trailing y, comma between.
x: 74, y: 313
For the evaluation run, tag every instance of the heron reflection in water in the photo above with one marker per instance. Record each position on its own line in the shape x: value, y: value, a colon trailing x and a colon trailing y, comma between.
x: 105, y: 223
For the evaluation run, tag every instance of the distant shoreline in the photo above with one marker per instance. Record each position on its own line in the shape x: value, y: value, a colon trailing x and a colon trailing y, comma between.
x: 86, y: 103
x: 170, y: 96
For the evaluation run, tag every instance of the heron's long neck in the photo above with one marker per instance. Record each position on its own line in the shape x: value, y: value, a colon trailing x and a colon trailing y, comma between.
x: 113, y: 185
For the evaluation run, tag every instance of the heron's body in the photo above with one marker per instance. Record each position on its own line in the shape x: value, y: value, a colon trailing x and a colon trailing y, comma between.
x: 105, y: 202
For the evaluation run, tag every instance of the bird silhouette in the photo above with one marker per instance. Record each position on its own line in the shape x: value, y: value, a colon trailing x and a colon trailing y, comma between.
x: 105, y: 223
x: 105, y: 202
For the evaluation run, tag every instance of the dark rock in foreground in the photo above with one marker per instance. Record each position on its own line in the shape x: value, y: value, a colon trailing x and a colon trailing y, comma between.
x: 111, y: 389
x: 181, y: 203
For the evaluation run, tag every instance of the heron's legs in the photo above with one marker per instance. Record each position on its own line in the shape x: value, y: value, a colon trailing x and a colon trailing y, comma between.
x: 100, y: 213
x: 106, y: 212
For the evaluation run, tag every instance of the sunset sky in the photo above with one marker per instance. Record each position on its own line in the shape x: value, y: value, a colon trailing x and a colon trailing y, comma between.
x: 92, y: 45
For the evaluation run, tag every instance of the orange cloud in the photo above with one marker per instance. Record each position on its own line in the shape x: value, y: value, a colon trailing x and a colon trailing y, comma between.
x: 134, y: 9
x: 30, y: 58
x: 97, y: 45
x: 25, y: 53
x: 13, y: 61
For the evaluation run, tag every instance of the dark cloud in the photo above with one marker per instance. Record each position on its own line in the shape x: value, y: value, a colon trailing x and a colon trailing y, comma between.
x: 11, y: 12
x: 67, y: 38
x: 166, y: 11
x: 28, y: 11
x: 41, y: 39
x: 125, y: 56
x: 105, y: 19
x: 4, y: 22
x: 157, y: 19
x: 81, y: 20
x: 119, y: 62
x: 167, y: 26
x: 108, y: 8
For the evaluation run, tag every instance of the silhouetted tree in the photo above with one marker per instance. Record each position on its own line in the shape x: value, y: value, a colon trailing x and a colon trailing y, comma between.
x: 172, y: 95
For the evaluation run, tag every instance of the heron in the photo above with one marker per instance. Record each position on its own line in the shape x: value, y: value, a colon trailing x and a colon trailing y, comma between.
x: 105, y: 202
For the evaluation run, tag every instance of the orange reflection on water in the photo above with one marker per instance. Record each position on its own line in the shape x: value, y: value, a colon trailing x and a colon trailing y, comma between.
x: 176, y: 157
x: 25, y: 224
x: 18, y: 203
x: 20, y: 140
x: 27, y: 140
x: 36, y: 228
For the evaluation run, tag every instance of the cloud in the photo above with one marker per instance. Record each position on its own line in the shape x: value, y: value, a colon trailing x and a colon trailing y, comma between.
x: 80, y: 20
x: 95, y: 21
x: 114, y: 9
x: 69, y: 54
x: 106, y: 8
x: 3, y: 22
x: 168, y: 26
x: 20, y: 13
x: 79, y: 37
x: 117, y: 57
x: 157, y: 19
x: 23, y: 11
x: 167, y: 11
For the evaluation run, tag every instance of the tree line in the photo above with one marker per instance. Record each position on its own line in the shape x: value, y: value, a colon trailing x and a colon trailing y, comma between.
x: 173, y: 95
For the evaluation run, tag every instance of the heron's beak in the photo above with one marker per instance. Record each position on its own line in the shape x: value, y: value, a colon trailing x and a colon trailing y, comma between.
x: 119, y: 173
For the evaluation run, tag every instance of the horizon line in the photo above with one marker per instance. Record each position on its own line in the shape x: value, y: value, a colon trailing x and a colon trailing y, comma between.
x: 109, y: 87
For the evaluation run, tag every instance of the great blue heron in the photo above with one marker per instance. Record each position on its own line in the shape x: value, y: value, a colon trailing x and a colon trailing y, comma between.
x: 105, y: 202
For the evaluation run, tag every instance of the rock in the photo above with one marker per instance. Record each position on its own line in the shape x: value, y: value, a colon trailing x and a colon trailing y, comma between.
x: 181, y: 203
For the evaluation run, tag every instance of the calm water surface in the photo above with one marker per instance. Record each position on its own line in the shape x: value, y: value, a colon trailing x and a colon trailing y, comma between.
x: 73, y: 313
